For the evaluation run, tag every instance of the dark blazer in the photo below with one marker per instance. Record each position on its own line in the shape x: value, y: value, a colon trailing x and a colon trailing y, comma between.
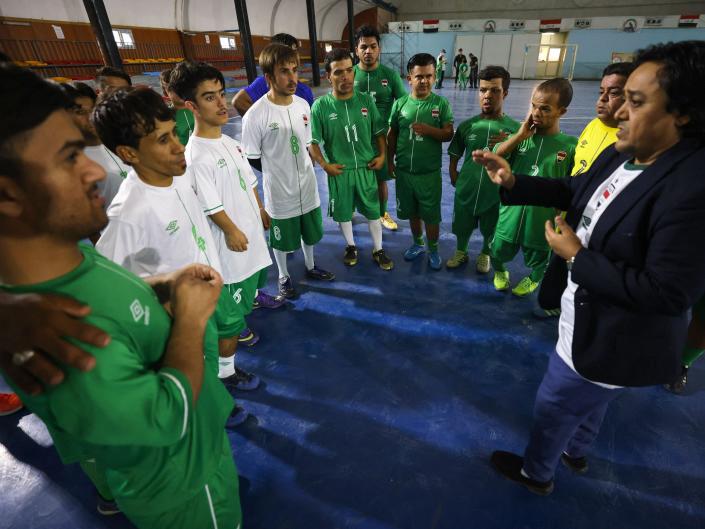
x: 643, y: 269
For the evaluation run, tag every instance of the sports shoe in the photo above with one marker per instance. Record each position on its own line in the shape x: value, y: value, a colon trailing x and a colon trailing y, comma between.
x: 579, y: 465
x: 434, y: 260
x: 10, y: 403
x: 241, y: 380
x: 544, y: 314
x: 106, y: 507
x: 413, y: 251
x: 457, y: 259
x: 319, y: 274
x: 525, y: 287
x: 248, y: 337
x: 678, y: 385
x: 265, y: 301
x: 286, y: 288
x: 350, y: 257
x: 384, y: 262
x: 501, y: 280
x: 388, y: 222
x: 482, y: 264
x: 509, y: 465
x: 238, y: 416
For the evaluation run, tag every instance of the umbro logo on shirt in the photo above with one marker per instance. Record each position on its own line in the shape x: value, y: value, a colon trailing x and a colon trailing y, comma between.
x: 221, y: 163
x: 332, y: 116
x: 139, y: 312
x: 583, y: 143
x: 472, y: 137
x: 172, y: 227
x: 274, y: 126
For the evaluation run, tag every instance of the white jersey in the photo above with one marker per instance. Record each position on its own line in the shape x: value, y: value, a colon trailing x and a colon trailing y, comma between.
x: 279, y: 134
x: 114, y: 167
x: 152, y: 230
x: 225, y: 182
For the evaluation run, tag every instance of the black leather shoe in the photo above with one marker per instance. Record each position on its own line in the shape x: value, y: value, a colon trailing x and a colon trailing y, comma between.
x: 320, y: 274
x: 509, y: 465
x: 579, y: 465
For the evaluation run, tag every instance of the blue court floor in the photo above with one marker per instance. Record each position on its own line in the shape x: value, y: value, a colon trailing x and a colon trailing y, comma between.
x: 384, y: 394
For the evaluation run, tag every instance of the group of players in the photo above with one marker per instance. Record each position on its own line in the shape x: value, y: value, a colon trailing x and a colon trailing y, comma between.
x: 171, y: 205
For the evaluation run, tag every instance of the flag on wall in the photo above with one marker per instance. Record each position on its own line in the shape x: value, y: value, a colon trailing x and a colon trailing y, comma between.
x: 551, y: 25
x: 688, y: 21
x: 430, y: 26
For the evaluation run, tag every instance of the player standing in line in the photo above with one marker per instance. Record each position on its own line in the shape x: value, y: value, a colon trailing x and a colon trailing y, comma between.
x: 539, y: 148
x: 225, y: 186
x: 418, y: 125
x: 156, y: 222
x: 440, y: 65
x: 476, y: 200
x: 352, y: 132
x: 385, y: 86
x: 150, y: 414
x: 182, y: 115
x: 275, y: 132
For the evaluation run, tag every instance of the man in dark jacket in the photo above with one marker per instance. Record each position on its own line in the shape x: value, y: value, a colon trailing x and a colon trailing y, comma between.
x: 629, y: 259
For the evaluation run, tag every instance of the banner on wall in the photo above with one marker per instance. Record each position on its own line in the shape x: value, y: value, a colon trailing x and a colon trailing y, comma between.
x: 688, y: 21
x: 430, y: 26
x: 552, y: 25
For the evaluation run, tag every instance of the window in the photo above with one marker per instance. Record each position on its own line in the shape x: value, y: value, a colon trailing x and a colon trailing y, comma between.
x: 123, y: 38
x: 554, y: 55
x: 227, y: 42
x: 328, y: 47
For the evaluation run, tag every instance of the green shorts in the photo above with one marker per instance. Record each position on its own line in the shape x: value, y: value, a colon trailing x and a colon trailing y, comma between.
x: 217, y: 505
x: 235, y: 303
x: 464, y: 222
x: 286, y: 234
x: 351, y: 190
x: 419, y: 196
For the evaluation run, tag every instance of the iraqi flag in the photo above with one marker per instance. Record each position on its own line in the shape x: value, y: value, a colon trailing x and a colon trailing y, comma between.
x: 688, y: 21
x: 550, y: 25
x: 430, y: 26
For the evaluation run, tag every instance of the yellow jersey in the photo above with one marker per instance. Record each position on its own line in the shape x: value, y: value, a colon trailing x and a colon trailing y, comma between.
x: 593, y: 140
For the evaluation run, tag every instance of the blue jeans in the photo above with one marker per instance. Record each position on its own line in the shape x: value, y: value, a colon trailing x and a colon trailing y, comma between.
x: 567, y: 416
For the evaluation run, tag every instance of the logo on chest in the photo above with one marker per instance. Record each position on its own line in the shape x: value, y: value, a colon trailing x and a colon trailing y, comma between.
x: 435, y: 112
x: 274, y: 126
x: 221, y: 163
x: 172, y: 227
x: 305, y: 120
x: 139, y: 312
x: 560, y: 156
x: 385, y: 83
x: 363, y: 111
x: 332, y: 116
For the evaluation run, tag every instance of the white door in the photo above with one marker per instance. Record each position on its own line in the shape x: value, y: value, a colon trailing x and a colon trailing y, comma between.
x: 495, y: 50
x: 519, y: 48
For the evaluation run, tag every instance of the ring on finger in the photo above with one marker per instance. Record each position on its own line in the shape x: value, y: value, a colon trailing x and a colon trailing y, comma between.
x: 22, y: 357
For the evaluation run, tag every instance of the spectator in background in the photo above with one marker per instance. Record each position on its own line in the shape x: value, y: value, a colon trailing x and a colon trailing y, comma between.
x: 246, y: 97
x: 441, y: 62
x: 108, y: 79
x: 456, y: 64
x: 474, y: 67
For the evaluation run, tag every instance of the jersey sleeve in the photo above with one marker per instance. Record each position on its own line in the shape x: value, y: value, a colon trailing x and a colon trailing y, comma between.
x: 398, y: 89
x: 378, y: 124
x: 208, y: 196
x: 446, y: 113
x: 124, y: 243
x: 256, y: 89
x: 457, y: 144
x: 316, y: 123
x: 252, y: 134
x: 394, y: 116
x: 154, y: 408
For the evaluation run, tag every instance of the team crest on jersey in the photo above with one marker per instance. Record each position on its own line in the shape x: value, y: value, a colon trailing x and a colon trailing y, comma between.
x: 364, y: 111
x: 221, y: 163
x: 435, y: 112
x: 332, y: 116
x: 305, y: 120
x: 238, y: 149
x: 561, y: 155
x: 583, y: 143
x: 385, y: 82
x: 274, y: 126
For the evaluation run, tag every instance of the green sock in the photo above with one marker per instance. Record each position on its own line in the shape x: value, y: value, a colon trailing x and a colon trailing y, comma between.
x: 462, y: 246
x: 690, y: 355
x: 418, y: 239
x: 382, y: 207
x: 432, y: 245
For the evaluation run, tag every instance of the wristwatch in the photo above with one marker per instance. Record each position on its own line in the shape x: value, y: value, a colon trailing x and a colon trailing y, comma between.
x: 569, y: 263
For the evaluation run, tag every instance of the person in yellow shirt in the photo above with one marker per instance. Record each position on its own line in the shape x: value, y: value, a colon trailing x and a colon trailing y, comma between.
x: 602, y: 131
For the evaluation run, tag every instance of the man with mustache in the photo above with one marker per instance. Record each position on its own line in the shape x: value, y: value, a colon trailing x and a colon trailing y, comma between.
x: 275, y: 133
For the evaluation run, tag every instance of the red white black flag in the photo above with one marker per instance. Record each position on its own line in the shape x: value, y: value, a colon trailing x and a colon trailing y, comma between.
x: 689, y: 21
x: 430, y: 26
x: 550, y: 25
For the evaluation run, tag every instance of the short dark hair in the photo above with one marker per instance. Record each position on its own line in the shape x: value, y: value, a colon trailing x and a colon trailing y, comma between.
x: 274, y: 54
x: 682, y: 76
x: 560, y: 86
x: 26, y: 101
x: 366, y: 31
x: 84, y: 90
x: 493, y: 72
x: 618, y: 68
x: 187, y: 75
x: 109, y: 71
x: 164, y: 75
x: 125, y: 116
x: 285, y: 39
x: 420, y: 59
x: 336, y: 54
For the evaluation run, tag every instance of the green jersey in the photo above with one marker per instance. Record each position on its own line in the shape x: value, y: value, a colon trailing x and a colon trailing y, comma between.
x: 347, y: 129
x: 544, y: 156
x: 135, y: 417
x: 185, y: 124
x: 474, y: 191
x: 419, y: 154
x: 382, y: 83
